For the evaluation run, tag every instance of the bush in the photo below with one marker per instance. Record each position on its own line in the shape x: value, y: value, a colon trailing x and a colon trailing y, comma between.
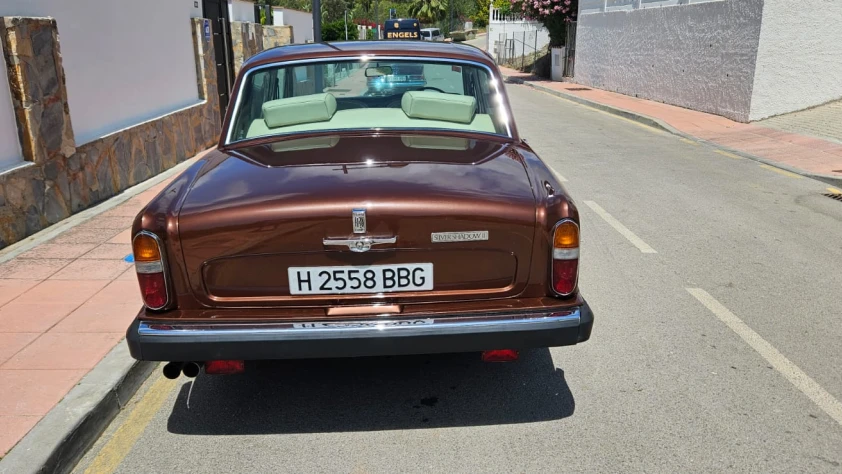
x: 371, y: 34
x: 335, y: 31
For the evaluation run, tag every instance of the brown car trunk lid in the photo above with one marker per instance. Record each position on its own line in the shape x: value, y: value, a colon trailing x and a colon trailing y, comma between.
x: 270, y: 207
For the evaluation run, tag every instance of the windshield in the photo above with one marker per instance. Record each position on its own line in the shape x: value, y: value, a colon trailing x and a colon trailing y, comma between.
x: 368, y: 95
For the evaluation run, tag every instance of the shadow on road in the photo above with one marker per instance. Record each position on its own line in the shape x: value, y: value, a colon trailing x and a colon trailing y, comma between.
x: 382, y: 393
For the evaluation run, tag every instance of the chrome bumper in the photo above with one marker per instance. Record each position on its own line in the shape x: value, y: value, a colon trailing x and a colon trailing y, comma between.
x: 179, y: 341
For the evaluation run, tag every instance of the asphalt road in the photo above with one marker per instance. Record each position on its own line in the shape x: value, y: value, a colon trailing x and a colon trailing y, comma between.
x: 716, y: 285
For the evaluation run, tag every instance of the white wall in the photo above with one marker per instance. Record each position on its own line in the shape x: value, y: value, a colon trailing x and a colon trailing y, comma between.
x: 699, y: 56
x: 196, y: 9
x: 799, y: 59
x: 301, y: 22
x: 126, y: 61
x: 241, y: 10
x: 10, y: 153
x: 523, y: 31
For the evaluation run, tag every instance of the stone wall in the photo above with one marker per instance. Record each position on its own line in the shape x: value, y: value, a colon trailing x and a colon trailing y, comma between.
x: 248, y: 39
x: 58, y: 178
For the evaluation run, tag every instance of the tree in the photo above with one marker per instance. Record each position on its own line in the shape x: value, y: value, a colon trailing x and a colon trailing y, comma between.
x: 555, y: 15
x: 428, y: 11
x: 335, y: 31
x: 333, y: 10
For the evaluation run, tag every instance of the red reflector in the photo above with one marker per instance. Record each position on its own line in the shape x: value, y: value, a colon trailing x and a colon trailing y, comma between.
x: 564, y: 276
x: 225, y: 367
x: 500, y: 355
x: 153, y: 289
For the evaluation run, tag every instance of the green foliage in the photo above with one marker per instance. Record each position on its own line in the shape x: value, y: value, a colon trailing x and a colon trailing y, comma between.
x: 480, y: 16
x: 335, y: 31
x: 555, y: 15
x: 428, y: 11
x: 303, y: 5
x: 371, y: 34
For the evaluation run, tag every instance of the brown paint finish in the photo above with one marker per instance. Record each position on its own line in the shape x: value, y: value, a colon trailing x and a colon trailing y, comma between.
x: 238, y: 218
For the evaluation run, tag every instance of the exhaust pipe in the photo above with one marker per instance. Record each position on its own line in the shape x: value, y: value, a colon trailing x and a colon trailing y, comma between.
x: 173, y: 370
x: 191, y: 369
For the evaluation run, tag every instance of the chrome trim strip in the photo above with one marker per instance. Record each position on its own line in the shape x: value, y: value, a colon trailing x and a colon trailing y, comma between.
x: 211, y: 332
x: 163, y: 265
x: 360, y: 244
x: 565, y: 254
x: 148, y: 267
x: 494, y: 83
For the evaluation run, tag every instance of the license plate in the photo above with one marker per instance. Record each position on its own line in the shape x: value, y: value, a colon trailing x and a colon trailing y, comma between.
x: 360, y: 279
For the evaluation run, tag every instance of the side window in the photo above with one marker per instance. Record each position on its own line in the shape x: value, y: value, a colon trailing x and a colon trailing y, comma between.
x: 254, y: 94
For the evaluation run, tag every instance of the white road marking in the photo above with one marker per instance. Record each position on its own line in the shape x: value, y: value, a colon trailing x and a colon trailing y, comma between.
x: 623, y: 230
x: 790, y: 371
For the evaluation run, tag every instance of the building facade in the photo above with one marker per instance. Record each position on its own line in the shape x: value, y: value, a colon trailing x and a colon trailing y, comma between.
x: 742, y: 59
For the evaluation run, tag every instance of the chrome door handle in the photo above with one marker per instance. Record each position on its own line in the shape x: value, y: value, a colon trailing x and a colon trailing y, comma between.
x: 360, y: 244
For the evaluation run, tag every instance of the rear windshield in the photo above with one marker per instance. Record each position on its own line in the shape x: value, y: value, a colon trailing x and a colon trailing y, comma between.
x: 368, y: 95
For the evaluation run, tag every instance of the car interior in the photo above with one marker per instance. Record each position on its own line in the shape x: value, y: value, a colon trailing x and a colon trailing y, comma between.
x: 272, y: 105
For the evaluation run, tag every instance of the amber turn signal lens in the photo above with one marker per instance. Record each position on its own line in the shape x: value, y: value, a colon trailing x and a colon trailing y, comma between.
x: 566, y: 236
x: 145, y: 249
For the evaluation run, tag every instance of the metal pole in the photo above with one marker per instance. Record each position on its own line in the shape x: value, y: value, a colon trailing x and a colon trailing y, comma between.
x: 451, y: 15
x: 317, y: 21
x: 346, y: 24
x: 535, y: 52
x: 377, y: 18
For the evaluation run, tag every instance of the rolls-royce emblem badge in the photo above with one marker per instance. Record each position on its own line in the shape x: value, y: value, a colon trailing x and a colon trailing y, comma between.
x: 359, y: 221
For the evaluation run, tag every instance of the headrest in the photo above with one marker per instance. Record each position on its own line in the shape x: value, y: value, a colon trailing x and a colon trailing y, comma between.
x: 439, y: 106
x: 296, y: 110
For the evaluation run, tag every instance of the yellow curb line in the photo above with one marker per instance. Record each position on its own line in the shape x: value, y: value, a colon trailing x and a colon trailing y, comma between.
x: 834, y: 191
x: 780, y: 171
x: 121, y: 443
x: 729, y: 155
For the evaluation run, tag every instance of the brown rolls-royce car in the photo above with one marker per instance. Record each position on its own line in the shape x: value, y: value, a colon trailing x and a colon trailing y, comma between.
x: 339, y: 217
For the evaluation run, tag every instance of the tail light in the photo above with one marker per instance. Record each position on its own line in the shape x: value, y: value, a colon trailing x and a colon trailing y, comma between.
x: 225, y: 367
x: 151, y: 272
x: 500, y: 355
x: 565, y: 258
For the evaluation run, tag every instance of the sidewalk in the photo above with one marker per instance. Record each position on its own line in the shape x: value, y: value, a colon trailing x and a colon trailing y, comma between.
x: 793, y: 151
x: 64, y: 304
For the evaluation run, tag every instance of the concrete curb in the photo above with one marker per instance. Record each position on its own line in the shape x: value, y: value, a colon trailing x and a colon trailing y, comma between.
x: 661, y: 125
x: 66, y: 433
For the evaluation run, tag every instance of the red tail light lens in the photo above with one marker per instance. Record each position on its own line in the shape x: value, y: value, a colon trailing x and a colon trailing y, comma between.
x: 149, y: 265
x: 565, y: 258
x: 500, y: 355
x: 153, y: 289
x: 564, y: 276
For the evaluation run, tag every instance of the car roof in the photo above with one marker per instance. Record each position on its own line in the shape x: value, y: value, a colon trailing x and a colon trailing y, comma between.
x: 425, y: 49
x: 428, y: 29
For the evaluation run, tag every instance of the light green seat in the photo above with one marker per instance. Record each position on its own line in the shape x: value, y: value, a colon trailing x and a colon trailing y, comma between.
x: 419, y: 109
x: 298, y: 110
x: 437, y: 106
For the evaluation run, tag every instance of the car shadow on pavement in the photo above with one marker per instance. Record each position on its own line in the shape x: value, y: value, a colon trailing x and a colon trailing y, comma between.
x: 377, y: 393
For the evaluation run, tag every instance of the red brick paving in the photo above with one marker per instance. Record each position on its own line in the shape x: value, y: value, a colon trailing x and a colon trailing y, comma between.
x: 64, y: 305
x: 809, y: 154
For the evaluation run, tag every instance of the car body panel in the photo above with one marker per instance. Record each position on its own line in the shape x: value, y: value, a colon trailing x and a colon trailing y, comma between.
x: 241, y: 215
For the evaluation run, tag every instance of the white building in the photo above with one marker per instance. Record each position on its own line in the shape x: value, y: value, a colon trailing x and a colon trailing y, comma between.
x: 742, y: 59
x: 300, y: 21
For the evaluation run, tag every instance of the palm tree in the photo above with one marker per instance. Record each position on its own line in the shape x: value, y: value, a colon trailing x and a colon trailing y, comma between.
x: 428, y: 11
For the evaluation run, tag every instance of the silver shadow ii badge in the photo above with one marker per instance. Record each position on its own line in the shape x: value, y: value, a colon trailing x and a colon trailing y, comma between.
x: 358, y: 216
x: 359, y: 244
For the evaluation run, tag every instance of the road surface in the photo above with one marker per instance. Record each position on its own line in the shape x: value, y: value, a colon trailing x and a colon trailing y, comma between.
x: 717, y: 344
